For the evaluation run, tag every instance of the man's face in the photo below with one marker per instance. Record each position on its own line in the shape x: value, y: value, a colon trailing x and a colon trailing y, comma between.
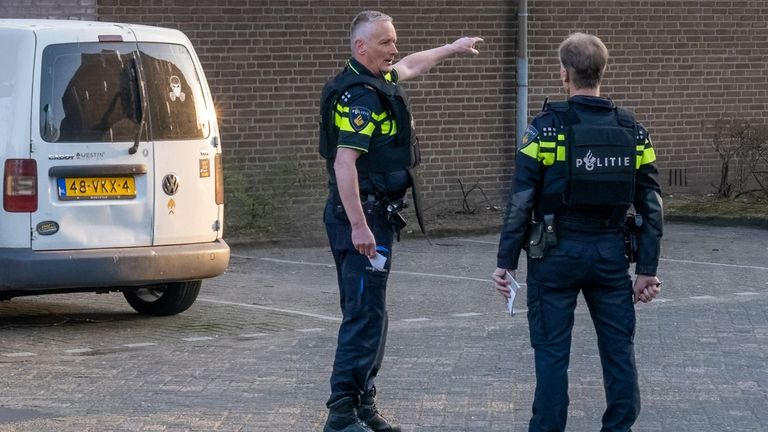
x: 378, y: 51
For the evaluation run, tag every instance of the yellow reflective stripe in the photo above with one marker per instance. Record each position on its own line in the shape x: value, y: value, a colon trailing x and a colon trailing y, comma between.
x: 379, y: 117
x: 560, y: 153
x: 389, y: 128
x: 342, y: 122
x: 547, y: 153
x: 547, y: 158
x: 342, y: 108
x: 645, y: 154
x: 649, y: 156
x: 531, y: 150
x: 561, y: 147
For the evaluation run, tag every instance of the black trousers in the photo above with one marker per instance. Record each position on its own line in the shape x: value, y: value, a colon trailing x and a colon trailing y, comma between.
x: 362, y: 294
x: 595, y: 265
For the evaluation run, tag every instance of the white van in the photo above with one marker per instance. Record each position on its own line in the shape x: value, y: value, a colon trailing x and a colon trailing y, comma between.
x: 112, y: 174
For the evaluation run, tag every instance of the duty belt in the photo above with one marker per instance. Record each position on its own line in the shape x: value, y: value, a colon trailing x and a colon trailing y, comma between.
x: 567, y: 224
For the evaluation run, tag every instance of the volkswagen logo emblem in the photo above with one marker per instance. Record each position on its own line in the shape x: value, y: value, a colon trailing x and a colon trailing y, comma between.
x: 170, y: 184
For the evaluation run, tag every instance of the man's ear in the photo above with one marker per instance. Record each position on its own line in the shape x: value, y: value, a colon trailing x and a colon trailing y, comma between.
x: 360, y: 46
x: 564, y: 75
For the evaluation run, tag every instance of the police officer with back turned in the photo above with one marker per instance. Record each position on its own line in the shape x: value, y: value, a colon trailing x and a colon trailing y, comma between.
x: 582, y: 165
x: 368, y: 140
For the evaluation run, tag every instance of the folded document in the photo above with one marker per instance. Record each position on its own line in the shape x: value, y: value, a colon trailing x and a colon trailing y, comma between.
x: 514, y: 286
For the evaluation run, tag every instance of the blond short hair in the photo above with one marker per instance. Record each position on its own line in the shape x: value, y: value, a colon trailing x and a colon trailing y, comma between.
x: 585, y: 57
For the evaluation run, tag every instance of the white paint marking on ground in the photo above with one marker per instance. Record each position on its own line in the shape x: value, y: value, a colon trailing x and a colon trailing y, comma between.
x: 416, y: 319
x: 704, y: 297
x: 252, y: 335
x: 139, y: 345
x: 20, y: 354
x: 282, y: 261
x: 444, y: 276
x: 713, y: 264
x: 288, y: 311
x: 478, y: 241
x: 310, y: 330
x: 197, y: 338
x: 746, y: 293
x: 661, y: 300
x: 78, y: 351
x: 468, y: 314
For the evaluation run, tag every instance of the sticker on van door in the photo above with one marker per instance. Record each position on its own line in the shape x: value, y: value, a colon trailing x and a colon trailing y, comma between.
x: 176, y: 92
x: 205, y: 168
x: 171, y: 206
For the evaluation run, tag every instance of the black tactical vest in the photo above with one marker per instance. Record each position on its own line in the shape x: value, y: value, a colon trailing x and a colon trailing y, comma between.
x: 600, y: 159
x: 402, y: 154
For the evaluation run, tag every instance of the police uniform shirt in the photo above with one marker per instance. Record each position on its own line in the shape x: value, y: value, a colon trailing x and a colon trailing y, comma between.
x: 364, y: 122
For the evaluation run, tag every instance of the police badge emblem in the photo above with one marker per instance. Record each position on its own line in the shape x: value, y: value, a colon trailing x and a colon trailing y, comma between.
x: 530, y: 134
x: 359, y: 117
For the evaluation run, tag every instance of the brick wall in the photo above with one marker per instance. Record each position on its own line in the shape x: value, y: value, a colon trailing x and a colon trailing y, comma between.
x: 680, y: 65
x: 59, y: 9
x: 267, y: 61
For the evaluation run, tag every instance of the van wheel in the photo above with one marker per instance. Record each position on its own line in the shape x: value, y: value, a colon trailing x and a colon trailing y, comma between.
x: 164, y: 299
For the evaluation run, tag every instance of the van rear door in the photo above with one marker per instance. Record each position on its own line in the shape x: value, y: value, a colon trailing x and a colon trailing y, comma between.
x: 87, y: 112
x: 184, y: 139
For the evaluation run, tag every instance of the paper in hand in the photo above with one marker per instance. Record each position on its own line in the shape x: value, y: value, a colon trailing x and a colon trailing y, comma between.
x: 378, y: 261
x: 514, y: 286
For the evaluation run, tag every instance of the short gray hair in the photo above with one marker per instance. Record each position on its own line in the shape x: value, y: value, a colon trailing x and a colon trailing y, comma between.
x: 361, y: 20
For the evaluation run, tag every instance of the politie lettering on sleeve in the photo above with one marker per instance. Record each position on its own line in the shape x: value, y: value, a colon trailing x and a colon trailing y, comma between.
x: 359, y: 118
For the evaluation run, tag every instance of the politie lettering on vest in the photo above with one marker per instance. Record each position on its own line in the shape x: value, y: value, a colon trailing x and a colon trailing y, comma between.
x: 590, y: 162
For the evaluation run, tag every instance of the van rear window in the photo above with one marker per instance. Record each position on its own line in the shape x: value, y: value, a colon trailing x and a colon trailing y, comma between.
x: 90, y: 92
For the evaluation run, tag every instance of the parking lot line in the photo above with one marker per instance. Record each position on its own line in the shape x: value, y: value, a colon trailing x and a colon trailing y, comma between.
x: 282, y: 261
x: 252, y: 306
x: 714, y: 264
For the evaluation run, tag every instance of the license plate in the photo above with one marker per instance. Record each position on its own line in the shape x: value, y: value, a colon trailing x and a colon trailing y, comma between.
x: 95, y: 188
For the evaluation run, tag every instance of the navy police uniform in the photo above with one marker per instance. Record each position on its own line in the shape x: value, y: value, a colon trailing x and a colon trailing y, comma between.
x: 363, y: 117
x: 582, y: 164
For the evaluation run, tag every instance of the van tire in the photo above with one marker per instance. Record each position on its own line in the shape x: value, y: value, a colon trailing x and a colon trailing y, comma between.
x: 163, y: 299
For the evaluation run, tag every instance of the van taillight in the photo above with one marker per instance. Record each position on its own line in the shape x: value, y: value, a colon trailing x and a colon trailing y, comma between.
x: 20, y: 185
x: 218, y: 171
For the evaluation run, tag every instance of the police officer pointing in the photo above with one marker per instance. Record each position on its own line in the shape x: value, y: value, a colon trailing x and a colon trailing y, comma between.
x: 368, y: 140
x: 582, y: 164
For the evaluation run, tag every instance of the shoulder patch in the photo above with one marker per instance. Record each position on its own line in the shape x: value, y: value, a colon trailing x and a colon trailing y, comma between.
x: 359, y: 117
x: 530, y: 134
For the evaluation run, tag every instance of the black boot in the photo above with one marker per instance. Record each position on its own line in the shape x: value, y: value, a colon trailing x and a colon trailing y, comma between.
x: 342, y: 417
x: 371, y: 416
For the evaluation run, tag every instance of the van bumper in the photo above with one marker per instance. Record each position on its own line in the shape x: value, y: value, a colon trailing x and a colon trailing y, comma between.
x: 28, y: 270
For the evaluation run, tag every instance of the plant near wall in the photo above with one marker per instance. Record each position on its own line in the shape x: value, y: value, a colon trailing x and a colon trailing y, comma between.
x: 257, y: 202
x: 247, y: 209
x: 466, y: 207
x: 742, y: 147
x: 758, y: 162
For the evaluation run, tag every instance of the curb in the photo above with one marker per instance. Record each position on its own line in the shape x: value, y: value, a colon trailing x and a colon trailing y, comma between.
x: 721, y: 221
